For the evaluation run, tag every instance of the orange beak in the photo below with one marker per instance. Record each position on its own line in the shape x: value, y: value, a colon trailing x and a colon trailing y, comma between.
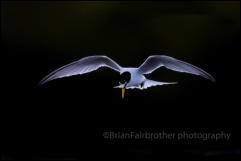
x: 123, y: 93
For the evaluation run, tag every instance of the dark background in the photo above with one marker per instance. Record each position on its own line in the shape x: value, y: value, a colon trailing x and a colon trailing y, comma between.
x: 66, y: 118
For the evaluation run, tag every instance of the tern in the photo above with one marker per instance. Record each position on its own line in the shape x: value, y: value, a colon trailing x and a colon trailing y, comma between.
x: 133, y: 77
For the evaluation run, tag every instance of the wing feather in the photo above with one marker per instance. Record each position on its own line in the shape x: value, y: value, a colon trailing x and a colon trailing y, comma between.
x: 156, y: 61
x: 82, y: 66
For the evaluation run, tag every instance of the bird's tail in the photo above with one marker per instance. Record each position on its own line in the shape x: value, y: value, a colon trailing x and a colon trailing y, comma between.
x: 148, y: 83
x: 120, y: 86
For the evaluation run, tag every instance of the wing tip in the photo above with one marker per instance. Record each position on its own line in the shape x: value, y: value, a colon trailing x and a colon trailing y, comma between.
x: 43, y: 81
x: 213, y: 79
x: 209, y: 77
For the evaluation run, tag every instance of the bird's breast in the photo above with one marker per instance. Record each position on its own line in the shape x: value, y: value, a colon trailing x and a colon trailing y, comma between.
x: 136, y: 78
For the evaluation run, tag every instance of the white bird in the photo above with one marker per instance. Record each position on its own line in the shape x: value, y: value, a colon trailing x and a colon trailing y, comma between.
x: 134, y: 76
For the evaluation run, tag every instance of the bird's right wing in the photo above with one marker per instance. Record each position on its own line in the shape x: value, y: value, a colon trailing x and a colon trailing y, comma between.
x: 84, y: 65
x: 154, y: 62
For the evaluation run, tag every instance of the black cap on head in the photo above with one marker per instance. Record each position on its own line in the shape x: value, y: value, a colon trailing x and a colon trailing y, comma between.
x: 125, y: 77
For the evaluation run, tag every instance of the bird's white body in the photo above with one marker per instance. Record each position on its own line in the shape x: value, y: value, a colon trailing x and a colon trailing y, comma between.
x: 136, y: 77
x: 138, y: 80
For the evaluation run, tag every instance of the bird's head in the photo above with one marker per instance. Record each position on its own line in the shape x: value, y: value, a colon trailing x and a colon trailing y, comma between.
x: 125, y: 78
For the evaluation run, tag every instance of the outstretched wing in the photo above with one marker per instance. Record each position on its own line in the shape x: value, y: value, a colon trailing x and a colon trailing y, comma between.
x: 84, y: 65
x: 156, y: 61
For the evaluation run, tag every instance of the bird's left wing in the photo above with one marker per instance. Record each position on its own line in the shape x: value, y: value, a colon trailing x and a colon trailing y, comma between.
x: 156, y: 61
x: 84, y: 65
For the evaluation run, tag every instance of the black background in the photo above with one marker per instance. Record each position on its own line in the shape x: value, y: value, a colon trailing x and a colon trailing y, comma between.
x: 66, y: 118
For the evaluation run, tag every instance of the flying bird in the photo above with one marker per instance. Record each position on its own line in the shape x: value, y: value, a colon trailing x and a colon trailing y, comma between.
x: 132, y: 77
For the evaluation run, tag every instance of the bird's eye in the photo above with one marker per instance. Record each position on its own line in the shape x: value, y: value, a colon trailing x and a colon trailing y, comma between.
x: 125, y: 77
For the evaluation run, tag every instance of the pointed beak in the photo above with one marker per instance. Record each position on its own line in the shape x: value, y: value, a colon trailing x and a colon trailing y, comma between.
x: 123, y: 92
